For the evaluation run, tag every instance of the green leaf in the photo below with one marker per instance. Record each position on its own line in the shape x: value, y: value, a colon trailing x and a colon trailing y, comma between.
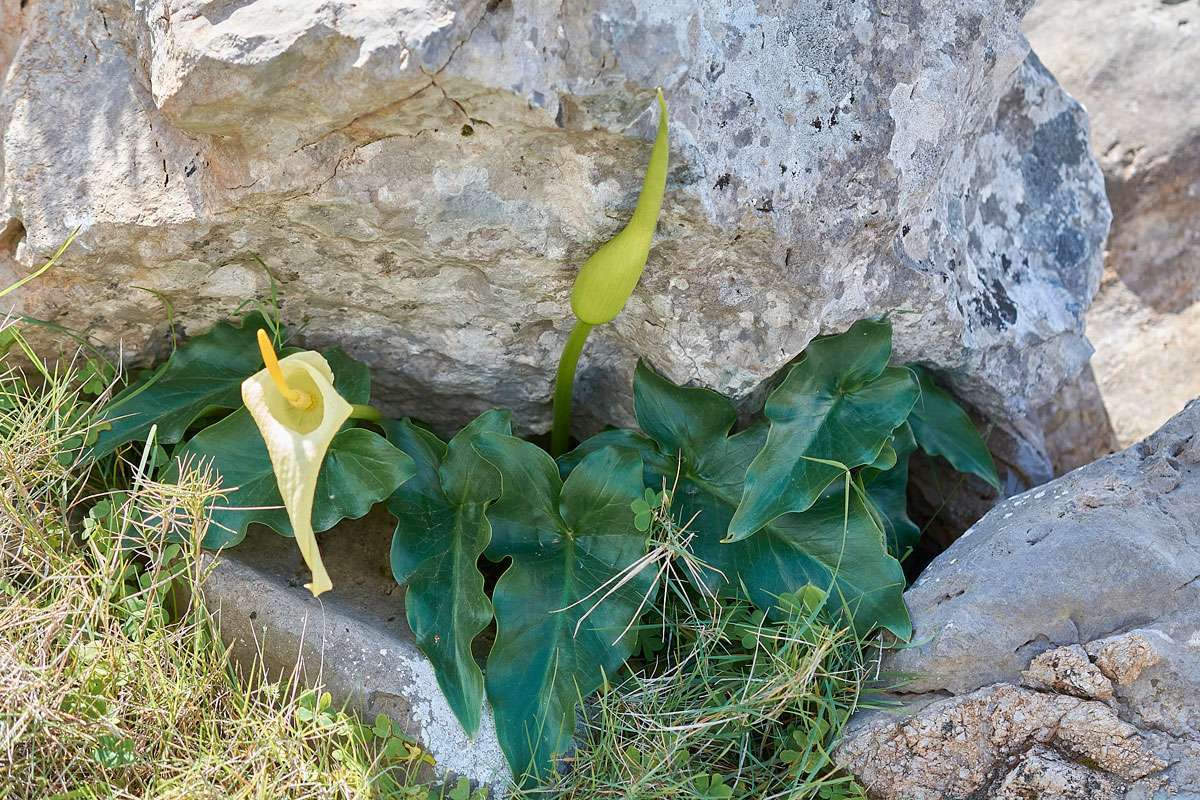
x: 942, y: 428
x: 712, y: 787
x: 462, y: 790
x: 560, y: 633
x: 203, y: 375
x: 613, y: 437
x: 838, y: 405
x: 441, y: 530
x: 382, y: 727
x: 360, y: 469
x: 888, y: 490
x: 835, y: 545
x: 351, y: 378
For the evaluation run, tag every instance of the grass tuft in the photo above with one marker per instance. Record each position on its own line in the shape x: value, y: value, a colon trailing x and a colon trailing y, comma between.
x: 113, y: 682
x: 727, y: 703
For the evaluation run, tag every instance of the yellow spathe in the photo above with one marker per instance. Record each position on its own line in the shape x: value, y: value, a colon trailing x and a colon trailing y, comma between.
x: 298, y: 412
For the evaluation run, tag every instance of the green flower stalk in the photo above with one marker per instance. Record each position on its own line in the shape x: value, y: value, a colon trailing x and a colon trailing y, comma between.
x: 608, y: 277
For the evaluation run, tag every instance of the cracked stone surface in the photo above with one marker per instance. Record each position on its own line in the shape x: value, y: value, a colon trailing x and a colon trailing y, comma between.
x: 1108, y: 548
x: 424, y: 179
x: 1067, y: 670
x: 1004, y: 741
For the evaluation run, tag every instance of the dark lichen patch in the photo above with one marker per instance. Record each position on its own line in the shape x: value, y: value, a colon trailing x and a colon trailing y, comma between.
x: 723, y: 181
x: 1070, y: 247
x: 1057, y: 146
x: 1060, y: 140
x: 994, y: 307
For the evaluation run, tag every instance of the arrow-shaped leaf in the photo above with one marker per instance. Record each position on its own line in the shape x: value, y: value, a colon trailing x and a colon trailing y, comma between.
x: 563, y: 616
x: 441, y: 530
x: 360, y: 468
x: 204, y: 374
x: 942, y: 428
x: 838, y: 405
x: 888, y: 490
x: 836, y: 544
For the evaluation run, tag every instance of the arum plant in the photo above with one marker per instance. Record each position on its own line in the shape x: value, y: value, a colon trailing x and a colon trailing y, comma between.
x: 608, y: 277
x: 283, y: 440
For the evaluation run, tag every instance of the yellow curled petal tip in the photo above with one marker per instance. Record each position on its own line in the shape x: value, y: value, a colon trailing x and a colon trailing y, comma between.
x: 608, y: 277
x: 297, y: 438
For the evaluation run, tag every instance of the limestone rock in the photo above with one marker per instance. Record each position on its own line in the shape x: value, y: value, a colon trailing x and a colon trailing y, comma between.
x: 1126, y: 61
x: 1058, y: 649
x: 1066, y: 734
x: 1067, y: 670
x: 355, y: 642
x: 424, y: 178
x: 1043, y: 774
x: 1145, y: 359
x: 972, y: 746
x: 1108, y: 548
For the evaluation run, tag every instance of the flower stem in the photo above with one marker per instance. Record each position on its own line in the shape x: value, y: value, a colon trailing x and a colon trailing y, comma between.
x: 560, y: 434
x: 365, y: 412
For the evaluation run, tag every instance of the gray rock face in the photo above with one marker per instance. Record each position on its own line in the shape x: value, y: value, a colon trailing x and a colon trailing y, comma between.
x: 1059, y: 651
x: 354, y: 642
x: 1107, y: 548
x: 424, y: 179
x: 1125, y: 61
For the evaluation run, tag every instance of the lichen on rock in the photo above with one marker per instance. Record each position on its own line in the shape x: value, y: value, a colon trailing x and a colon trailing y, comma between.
x: 424, y: 179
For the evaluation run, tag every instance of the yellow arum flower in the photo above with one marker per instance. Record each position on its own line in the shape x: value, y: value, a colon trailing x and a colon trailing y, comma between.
x: 298, y: 412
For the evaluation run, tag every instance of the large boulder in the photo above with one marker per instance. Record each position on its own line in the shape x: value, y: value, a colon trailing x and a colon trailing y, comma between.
x: 423, y: 179
x: 1108, y: 548
x: 1132, y: 64
x: 1057, y: 643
